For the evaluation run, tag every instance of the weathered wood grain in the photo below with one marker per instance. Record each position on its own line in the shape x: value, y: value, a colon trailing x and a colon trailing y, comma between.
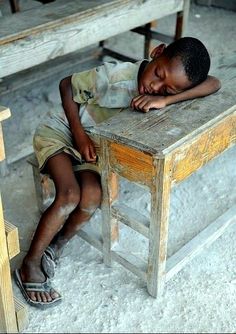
x: 7, y: 309
x: 131, y: 218
x: 158, y: 231
x: 9, y: 247
x: 203, y: 148
x: 130, y: 163
x: 12, y: 239
x: 33, y: 37
x: 4, y: 114
x: 21, y: 315
x: 2, y: 148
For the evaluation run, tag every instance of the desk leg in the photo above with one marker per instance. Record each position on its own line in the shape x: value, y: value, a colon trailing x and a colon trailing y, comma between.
x: 7, y: 308
x: 158, y: 231
x: 110, y: 228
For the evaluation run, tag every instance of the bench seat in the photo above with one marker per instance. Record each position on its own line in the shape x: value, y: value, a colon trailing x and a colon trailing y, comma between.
x: 37, y: 35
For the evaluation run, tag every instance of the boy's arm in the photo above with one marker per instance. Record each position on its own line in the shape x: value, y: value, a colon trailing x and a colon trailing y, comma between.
x: 146, y: 102
x: 82, y: 141
x: 207, y: 87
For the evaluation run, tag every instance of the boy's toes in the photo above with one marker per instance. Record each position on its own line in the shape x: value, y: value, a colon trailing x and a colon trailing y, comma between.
x: 54, y: 294
x: 45, y: 297
x: 32, y: 295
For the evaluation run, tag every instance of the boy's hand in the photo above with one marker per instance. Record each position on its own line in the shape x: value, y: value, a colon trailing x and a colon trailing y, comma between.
x: 146, y: 102
x: 85, y: 146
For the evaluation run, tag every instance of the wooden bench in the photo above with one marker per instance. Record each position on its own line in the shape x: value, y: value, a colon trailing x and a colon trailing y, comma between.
x: 32, y: 37
x: 13, y: 313
x: 158, y: 150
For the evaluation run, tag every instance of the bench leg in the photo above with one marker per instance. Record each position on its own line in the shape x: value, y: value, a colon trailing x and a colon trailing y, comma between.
x: 44, y: 189
x: 148, y: 38
x: 15, y: 6
x: 4, y: 171
x: 110, y: 228
x: 181, y: 21
x: 8, y: 322
x: 158, y: 232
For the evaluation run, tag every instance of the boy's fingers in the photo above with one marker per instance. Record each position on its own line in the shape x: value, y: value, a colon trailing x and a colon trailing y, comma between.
x: 142, y: 103
x: 136, y: 98
x: 138, y: 102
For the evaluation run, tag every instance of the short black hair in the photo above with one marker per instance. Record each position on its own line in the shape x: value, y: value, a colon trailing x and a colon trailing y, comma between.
x: 194, y: 56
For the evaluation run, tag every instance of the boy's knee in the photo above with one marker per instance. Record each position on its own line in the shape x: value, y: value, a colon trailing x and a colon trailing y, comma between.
x: 69, y: 199
x: 91, y: 199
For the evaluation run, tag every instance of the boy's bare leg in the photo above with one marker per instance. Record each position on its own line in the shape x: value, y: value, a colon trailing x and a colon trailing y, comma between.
x: 66, y: 200
x: 90, y: 200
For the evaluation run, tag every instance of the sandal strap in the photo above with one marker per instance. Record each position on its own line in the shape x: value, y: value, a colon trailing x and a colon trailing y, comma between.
x: 50, y: 252
x: 38, y: 287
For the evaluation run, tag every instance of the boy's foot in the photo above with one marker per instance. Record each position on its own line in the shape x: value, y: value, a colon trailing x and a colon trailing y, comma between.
x: 34, y: 286
x: 40, y: 295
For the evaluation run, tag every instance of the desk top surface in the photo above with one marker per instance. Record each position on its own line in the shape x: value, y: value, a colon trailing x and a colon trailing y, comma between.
x: 160, y: 131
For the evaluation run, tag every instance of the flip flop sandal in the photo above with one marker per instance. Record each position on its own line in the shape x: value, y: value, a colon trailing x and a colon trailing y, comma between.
x: 36, y: 287
x: 49, y: 262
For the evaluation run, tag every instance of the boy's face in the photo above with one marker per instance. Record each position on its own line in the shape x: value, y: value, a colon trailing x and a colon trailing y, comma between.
x: 163, y: 76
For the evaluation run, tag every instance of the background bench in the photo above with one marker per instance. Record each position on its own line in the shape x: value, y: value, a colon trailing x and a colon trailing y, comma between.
x: 35, y: 36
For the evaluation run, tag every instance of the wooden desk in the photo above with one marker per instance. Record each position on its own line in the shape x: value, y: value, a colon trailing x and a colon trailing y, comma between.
x: 159, y: 150
x: 13, y: 314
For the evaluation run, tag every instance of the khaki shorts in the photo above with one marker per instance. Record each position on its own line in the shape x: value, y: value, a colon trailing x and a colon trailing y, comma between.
x: 49, y: 141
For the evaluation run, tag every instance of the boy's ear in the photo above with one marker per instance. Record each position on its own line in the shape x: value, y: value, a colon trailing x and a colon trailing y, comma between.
x: 157, y: 51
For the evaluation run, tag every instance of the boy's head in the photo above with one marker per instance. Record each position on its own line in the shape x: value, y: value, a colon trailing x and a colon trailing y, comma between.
x: 179, y: 66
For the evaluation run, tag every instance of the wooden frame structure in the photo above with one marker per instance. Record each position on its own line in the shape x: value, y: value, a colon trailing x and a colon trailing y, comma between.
x: 13, y: 313
x: 159, y: 150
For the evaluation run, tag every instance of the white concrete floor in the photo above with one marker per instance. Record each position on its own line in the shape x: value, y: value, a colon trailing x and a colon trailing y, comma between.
x: 201, y: 298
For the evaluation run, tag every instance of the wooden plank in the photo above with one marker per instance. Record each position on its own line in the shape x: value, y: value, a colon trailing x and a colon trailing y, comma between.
x: 4, y: 171
x: 206, y: 146
x: 61, y: 28
x: 182, y: 20
x: 60, y: 13
x: 110, y: 228
x: 7, y: 308
x: 204, y: 239
x: 56, y: 69
x: 130, y: 261
x: 21, y: 315
x: 14, y: 6
x: 12, y: 237
x: 4, y: 113
x: 158, y: 231
x: 130, y: 163
x: 2, y: 148
x: 131, y: 218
